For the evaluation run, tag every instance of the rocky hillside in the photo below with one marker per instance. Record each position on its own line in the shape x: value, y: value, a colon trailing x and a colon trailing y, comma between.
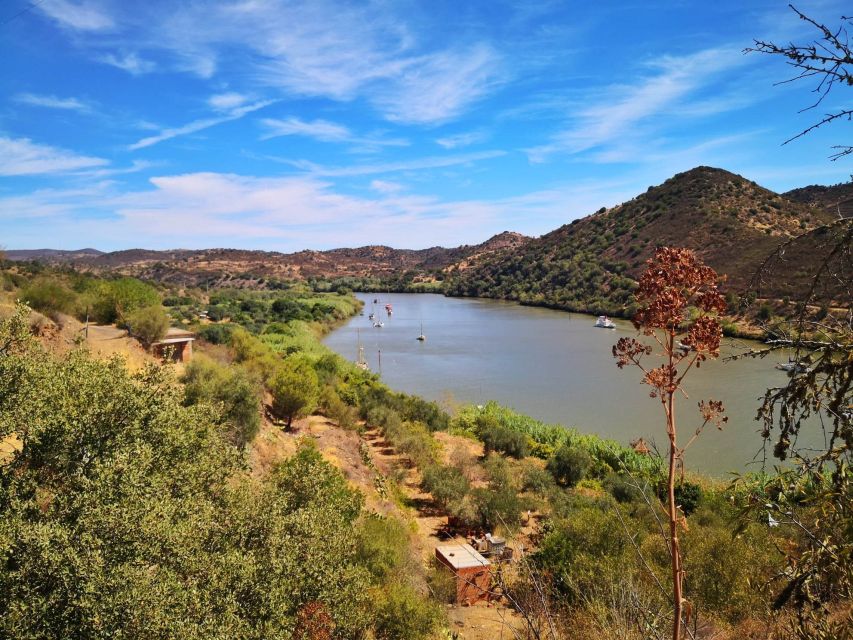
x: 255, y: 269
x: 590, y: 264
x: 836, y: 199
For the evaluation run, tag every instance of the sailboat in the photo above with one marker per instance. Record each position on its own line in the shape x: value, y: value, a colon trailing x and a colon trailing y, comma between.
x: 422, y: 337
x: 361, y: 363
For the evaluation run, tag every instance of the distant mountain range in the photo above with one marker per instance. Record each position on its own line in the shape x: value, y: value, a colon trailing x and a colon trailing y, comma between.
x: 588, y: 265
x: 254, y: 269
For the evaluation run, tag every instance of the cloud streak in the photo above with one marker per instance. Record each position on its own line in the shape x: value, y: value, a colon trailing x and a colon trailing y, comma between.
x: 324, y: 131
x: 23, y: 157
x: 621, y: 110
x: 417, y: 164
x: 199, y: 125
x: 53, y: 102
x: 83, y: 15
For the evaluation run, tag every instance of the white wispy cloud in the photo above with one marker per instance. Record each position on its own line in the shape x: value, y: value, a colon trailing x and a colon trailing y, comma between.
x: 321, y: 48
x: 227, y: 101
x: 385, y: 186
x: 296, y: 212
x: 441, y: 86
x: 22, y: 157
x: 83, y: 15
x: 53, y: 102
x: 130, y: 62
x: 462, y: 139
x: 199, y: 125
x: 416, y: 164
x: 620, y: 110
x: 325, y: 131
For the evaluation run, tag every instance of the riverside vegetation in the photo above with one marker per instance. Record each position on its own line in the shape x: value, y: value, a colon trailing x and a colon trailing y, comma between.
x: 127, y: 509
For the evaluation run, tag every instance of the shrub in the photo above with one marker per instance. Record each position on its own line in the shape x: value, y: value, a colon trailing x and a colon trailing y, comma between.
x: 216, y: 333
x: 569, y: 465
x: 147, y: 324
x: 447, y: 485
x: 113, y: 300
x: 232, y: 389
x: 496, y: 437
x: 621, y: 488
x: 295, y: 390
x: 334, y: 408
x: 688, y: 495
x: 49, y: 296
x: 382, y: 546
x: 536, y: 479
x: 402, y: 613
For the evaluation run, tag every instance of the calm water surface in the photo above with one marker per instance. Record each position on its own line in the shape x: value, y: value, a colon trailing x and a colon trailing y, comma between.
x: 554, y: 366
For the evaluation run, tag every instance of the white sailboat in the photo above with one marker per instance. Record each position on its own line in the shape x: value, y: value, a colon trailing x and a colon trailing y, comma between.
x: 361, y: 363
x: 422, y: 337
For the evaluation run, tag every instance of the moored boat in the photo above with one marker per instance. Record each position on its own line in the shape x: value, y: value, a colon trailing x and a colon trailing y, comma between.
x: 604, y: 322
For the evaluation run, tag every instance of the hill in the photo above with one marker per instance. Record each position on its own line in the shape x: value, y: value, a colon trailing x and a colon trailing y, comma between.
x: 836, y: 199
x: 591, y: 264
x: 255, y: 269
x: 52, y: 255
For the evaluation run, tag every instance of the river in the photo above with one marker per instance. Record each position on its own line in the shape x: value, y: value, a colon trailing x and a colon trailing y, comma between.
x: 556, y: 367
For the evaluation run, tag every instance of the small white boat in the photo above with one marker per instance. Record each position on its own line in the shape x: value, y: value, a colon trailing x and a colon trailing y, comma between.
x: 792, y: 367
x: 604, y: 322
x: 378, y: 324
x: 421, y: 337
x: 371, y: 316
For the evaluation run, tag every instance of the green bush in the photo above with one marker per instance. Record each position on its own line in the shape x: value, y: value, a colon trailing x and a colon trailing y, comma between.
x: 334, y: 408
x: 127, y: 515
x: 147, y: 324
x: 622, y: 488
x: 569, y: 465
x: 49, y: 296
x: 536, y: 479
x: 216, y: 333
x: 232, y: 390
x: 113, y: 300
x: 402, y: 613
x: 688, y: 495
x: 295, y: 389
x: 447, y: 485
x: 498, y: 438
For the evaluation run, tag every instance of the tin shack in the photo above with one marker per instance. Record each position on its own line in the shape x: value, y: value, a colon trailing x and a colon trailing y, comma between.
x: 176, y: 345
x: 471, y: 569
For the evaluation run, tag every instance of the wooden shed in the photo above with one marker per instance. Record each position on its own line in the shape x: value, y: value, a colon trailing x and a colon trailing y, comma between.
x: 472, y: 571
x: 176, y: 345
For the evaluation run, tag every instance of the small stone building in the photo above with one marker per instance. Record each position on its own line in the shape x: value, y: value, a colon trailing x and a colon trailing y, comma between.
x: 176, y: 345
x: 472, y: 571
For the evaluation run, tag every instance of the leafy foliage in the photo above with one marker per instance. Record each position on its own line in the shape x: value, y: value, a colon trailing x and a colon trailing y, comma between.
x: 295, y: 389
x: 124, y: 513
x: 231, y: 388
x: 569, y: 465
x: 147, y: 324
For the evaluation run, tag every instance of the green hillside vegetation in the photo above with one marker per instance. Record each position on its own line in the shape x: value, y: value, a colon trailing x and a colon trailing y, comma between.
x: 591, y: 265
x: 126, y: 508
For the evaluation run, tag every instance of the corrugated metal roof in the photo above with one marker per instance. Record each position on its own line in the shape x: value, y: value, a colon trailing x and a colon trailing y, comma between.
x: 174, y: 341
x: 461, y: 556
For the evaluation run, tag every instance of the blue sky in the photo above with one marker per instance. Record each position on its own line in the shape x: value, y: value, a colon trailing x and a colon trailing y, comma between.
x: 281, y: 125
